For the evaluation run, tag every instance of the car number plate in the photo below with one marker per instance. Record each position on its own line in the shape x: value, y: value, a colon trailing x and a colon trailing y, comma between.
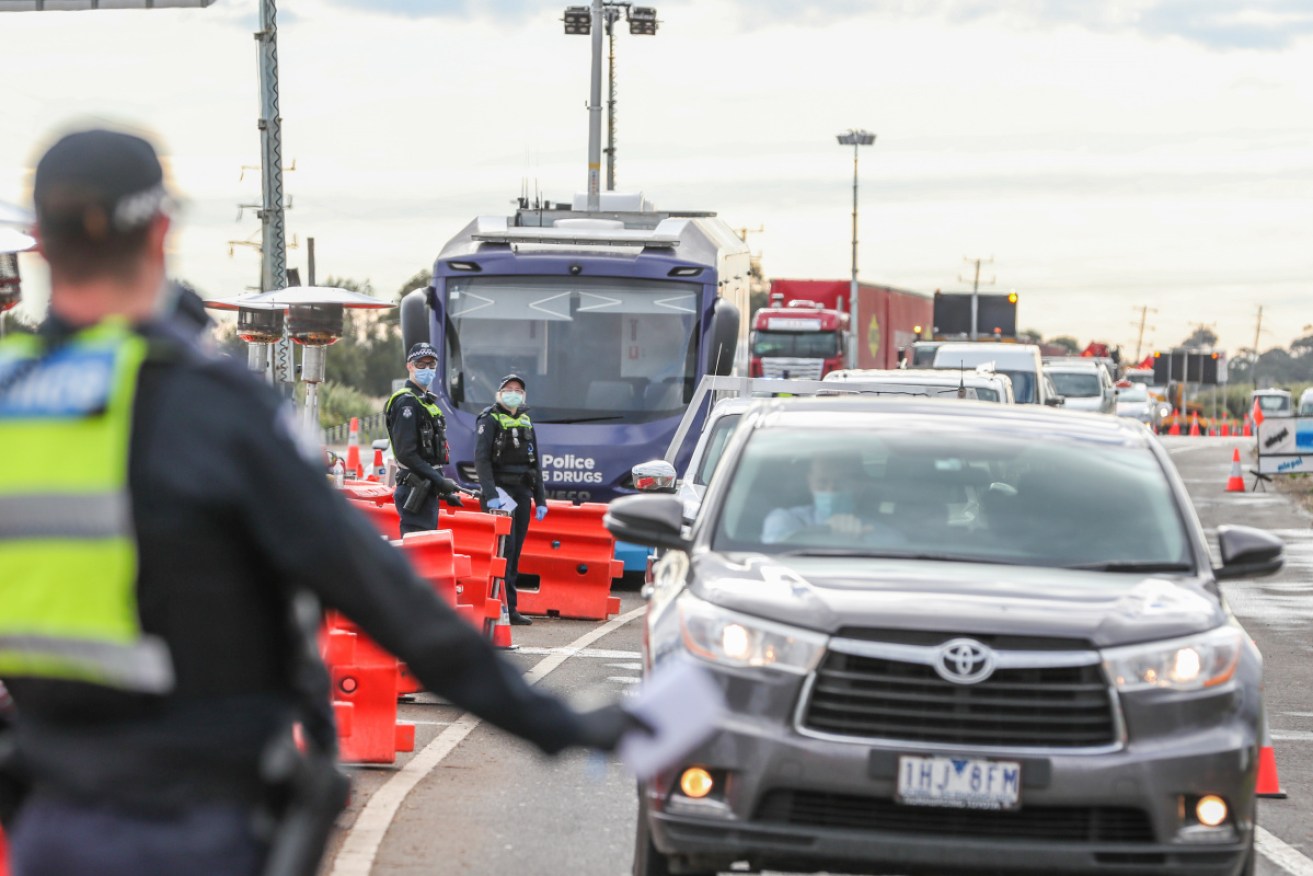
x: 959, y: 782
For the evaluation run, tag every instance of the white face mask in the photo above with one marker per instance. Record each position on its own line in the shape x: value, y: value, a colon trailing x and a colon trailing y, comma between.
x: 829, y: 503
x: 511, y: 398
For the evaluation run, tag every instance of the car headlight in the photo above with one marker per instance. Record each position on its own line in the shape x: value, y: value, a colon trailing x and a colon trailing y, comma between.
x: 729, y: 638
x: 1192, y: 663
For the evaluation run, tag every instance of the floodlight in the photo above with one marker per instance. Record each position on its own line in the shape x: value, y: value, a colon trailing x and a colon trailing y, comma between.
x: 642, y: 20
x: 855, y: 137
x: 578, y: 20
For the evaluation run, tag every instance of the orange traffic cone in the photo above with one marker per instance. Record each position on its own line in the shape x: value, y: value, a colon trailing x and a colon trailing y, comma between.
x: 1268, y: 785
x: 1236, y: 482
x: 378, y: 469
x: 353, y: 468
x: 1246, y: 430
x: 1226, y: 428
x: 1176, y: 424
x: 501, y: 631
x: 1194, y: 425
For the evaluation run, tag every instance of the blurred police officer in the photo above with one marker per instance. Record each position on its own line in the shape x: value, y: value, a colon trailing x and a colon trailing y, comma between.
x: 418, y: 433
x: 159, y: 519
x: 506, y: 456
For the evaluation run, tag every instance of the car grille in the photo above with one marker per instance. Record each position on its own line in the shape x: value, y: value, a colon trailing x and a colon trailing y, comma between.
x: 882, y: 698
x: 1076, y: 824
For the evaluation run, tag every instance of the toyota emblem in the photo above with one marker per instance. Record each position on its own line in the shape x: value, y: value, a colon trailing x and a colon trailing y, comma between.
x: 964, y: 661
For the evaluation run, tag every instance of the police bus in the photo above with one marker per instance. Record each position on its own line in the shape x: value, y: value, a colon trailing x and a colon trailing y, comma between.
x: 612, y: 317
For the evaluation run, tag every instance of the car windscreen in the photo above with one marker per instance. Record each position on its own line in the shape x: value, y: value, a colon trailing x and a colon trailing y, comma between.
x: 802, y: 345
x: 1273, y: 403
x: 1077, y: 384
x: 950, y: 493
x: 1136, y: 392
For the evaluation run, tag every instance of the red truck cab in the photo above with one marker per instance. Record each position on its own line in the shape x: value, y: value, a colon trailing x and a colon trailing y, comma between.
x: 803, y: 340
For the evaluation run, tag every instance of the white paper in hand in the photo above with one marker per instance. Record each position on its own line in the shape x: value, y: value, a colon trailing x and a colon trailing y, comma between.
x: 682, y: 704
x: 507, y: 503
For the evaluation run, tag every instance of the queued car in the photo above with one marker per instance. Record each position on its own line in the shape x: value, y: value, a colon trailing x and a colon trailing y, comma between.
x: 953, y: 638
x: 981, y: 384
x: 1306, y: 403
x: 1135, y: 402
x: 1084, y: 384
x: 1273, y: 402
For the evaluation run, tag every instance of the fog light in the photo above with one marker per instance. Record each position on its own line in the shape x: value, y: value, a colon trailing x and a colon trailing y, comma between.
x: 696, y: 783
x: 1211, y: 810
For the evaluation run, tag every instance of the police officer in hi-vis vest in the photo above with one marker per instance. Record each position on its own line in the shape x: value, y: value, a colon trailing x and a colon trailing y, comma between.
x: 418, y: 434
x: 165, y: 535
x: 506, y: 455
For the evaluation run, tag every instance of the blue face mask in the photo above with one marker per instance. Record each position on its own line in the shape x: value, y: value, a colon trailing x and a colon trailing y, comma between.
x: 424, y: 376
x: 512, y: 399
x: 829, y: 503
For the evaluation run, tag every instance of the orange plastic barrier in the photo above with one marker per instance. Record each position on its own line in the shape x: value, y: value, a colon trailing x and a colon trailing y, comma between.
x: 573, y: 555
x: 432, y: 555
x: 375, y: 502
x: 481, y: 537
x: 364, y: 694
x: 4, y: 854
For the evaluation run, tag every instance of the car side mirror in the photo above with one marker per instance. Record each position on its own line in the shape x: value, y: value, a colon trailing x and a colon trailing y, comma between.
x: 1248, y: 553
x: 656, y: 476
x: 655, y: 521
x: 1055, y: 401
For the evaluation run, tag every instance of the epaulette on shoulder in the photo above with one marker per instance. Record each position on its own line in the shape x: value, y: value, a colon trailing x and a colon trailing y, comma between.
x: 483, y: 413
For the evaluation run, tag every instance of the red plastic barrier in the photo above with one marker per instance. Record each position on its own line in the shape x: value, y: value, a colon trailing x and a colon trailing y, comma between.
x: 364, y: 679
x: 4, y: 854
x: 375, y: 502
x: 431, y: 555
x: 573, y: 555
x: 479, y: 536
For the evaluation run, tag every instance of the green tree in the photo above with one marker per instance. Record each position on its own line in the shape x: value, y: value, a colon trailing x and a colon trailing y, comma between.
x: 1066, y: 342
x: 1201, y: 337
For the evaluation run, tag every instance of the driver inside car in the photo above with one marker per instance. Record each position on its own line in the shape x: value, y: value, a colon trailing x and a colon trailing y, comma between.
x: 836, y: 508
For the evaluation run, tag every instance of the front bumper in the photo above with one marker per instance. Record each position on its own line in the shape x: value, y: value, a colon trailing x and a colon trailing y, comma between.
x: 793, y: 802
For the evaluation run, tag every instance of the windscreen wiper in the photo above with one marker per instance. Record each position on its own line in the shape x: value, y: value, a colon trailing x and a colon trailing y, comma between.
x: 1133, y: 567
x: 888, y: 555
x: 584, y: 419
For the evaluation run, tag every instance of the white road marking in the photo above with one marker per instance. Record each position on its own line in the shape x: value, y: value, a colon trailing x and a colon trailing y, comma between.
x: 1175, y: 450
x: 362, y: 842
x: 624, y: 679
x: 573, y: 651
x: 1286, y: 857
x: 1293, y: 735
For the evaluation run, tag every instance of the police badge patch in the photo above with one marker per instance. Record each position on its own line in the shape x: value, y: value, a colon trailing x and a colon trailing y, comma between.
x: 407, y: 412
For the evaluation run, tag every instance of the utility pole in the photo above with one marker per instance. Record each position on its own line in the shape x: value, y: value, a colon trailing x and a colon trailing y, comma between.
x: 975, y: 293
x: 1145, y: 310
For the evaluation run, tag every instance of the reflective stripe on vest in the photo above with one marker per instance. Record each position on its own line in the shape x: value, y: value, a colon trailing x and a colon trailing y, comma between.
x: 68, y: 606
x: 431, y: 407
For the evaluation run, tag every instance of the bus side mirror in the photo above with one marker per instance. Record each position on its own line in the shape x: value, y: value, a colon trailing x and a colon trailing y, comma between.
x: 722, y: 337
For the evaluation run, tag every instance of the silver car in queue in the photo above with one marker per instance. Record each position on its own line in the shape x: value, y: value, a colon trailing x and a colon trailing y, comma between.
x: 1006, y: 650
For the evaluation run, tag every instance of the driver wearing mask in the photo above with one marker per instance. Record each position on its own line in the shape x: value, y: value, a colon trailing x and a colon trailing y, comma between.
x: 833, y: 481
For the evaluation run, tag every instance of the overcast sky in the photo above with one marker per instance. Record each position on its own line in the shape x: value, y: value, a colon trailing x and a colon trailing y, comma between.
x: 1107, y: 156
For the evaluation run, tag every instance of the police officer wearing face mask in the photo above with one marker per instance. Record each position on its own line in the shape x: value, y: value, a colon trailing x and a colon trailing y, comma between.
x: 506, y: 455
x: 418, y: 433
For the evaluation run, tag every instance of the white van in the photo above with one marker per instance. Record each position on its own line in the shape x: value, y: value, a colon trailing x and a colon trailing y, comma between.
x: 1021, y: 362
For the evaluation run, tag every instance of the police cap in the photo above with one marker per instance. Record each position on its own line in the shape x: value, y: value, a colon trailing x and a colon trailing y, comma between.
x: 508, y: 378
x: 98, y: 184
x: 422, y: 350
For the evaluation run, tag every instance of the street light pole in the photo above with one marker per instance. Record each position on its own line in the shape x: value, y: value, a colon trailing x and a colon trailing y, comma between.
x: 854, y: 138
x: 595, y: 112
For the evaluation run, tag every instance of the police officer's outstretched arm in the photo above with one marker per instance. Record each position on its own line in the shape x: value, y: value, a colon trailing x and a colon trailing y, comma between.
x: 404, y: 431
x: 335, y: 553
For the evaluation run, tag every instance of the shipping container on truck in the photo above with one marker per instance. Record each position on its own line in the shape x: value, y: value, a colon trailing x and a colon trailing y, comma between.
x: 887, y: 319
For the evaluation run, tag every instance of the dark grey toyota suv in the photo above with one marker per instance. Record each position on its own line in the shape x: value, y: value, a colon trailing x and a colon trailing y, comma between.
x: 952, y: 637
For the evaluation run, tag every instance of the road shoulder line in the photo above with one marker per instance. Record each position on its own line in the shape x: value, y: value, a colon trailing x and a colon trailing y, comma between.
x: 365, y: 837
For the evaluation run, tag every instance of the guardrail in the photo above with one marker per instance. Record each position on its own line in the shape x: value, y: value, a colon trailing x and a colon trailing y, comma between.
x: 372, y: 428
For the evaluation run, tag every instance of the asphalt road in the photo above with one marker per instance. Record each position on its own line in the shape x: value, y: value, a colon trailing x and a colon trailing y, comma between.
x: 471, y: 800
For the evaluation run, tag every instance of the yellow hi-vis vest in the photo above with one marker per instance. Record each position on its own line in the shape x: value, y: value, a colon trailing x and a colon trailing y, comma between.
x: 68, y: 555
